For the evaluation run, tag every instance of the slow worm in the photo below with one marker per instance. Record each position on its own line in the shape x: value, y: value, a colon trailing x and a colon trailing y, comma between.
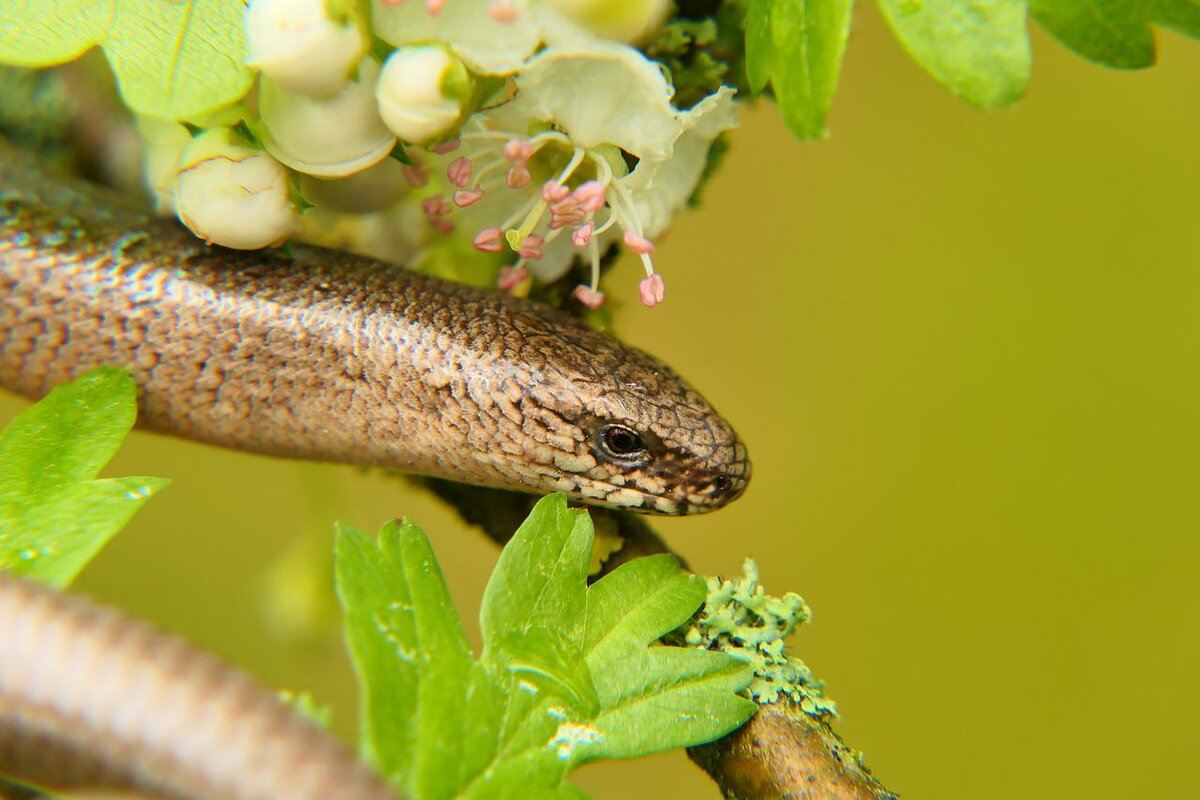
x: 306, y: 354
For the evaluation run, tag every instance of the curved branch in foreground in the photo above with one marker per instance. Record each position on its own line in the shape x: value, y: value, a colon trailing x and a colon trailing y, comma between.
x: 780, y: 754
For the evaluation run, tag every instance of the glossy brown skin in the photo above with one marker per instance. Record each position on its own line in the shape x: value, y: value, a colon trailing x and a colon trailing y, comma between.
x: 326, y: 356
x: 89, y: 697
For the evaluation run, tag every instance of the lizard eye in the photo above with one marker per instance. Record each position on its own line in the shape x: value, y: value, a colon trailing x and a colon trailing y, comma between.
x: 620, y: 442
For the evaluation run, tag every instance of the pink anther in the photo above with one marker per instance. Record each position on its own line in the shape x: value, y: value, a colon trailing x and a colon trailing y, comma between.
x: 651, y: 289
x: 518, y: 176
x: 448, y: 146
x: 583, y: 234
x: 518, y: 150
x: 531, y: 247
x: 488, y: 240
x: 553, y: 191
x: 459, y: 172
x: 465, y: 197
x: 590, y: 297
x: 434, y: 7
x: 416, y: 175
x: 638, y: 244
x: 511, y: 277
x: 591, y: 196
x: 503, y: 11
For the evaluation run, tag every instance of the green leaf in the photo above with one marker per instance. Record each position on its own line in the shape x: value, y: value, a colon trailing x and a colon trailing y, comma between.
x: 540, y: 580
x: 54, y: 515
x: 798, y: 45
x: 569, y: 673
x: 175, y: 60
x: 411, y: 654
x: 1115, y: 33
x: 979, y: 49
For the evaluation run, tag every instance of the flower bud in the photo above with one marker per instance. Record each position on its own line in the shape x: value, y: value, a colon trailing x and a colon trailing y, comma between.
x: 231, y: 194
x: 299, y: 46
x: 164, y: 145
x: 626, y: 21
x: 422, y: 92
x: 328, y: 138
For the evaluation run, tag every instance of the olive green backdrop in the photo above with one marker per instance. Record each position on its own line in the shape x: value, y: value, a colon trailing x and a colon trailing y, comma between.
x: 963, y: 350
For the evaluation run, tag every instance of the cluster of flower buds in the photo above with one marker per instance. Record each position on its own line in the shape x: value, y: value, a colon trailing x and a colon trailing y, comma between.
x: 513, y: 125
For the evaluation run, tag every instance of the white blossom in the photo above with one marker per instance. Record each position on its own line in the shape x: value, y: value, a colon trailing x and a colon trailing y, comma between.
x: 328, y: 138
x: 545, y: 176
x: 232, y: 194
x: 298, y: 45
x: 422, y: 92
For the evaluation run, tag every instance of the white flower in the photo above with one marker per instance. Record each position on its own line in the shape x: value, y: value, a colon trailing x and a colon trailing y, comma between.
x: 546, y: 174
x: 231, y: 194
x: 298, y: 45
x: 623, y: 20
x: 493, y: 37
x: 422, y: 92
x: 328, y: 138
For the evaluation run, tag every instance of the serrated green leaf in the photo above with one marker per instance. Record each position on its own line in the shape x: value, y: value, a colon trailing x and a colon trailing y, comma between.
x: 442, y: 726
x: 760, y: 54
x: 798, y: 45
x: 979, y: 50
x: 175, y: 60
x: 1115, y: 33
x: 541, y: 578
x: 412, y: 655
x: 674, y: 697
x: 1110, y: 32
x: 54, y: 515
x: 45, y: 32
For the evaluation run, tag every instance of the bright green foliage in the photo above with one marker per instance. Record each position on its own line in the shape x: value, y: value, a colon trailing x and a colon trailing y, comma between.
x: 797, y: 46
x: 741, y: 619
x: 1115, y: 33
x: 568, y: 674
x: 54, y: 515
x: 978, y: 49
x: 176, y: 60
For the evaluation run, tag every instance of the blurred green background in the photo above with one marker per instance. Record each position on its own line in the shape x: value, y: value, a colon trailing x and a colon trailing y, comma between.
x: 962, y: 348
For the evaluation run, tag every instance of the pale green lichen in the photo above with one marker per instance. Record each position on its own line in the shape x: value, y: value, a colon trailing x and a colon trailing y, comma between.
x: 741, y: 619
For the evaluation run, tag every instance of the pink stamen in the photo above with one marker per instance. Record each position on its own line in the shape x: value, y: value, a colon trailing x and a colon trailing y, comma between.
x: 465, y: 197
x: 511, y: 277
x: 503, y: 11
x: 531, y: 247
x: 416, y: 175
x: 565, y: 214
x: 436, y: 208
x: 488, y: 240
x: 518, y: 176
x: 459, y: 172
x: 553, y: 191
x: 518, y: 150
x: 590, y: 196
x: 651, y: 289
x: 589, y: 297
x: 446, y: 147
x: 638, y: 244
x: 583, y: 234
x: 434, y: 7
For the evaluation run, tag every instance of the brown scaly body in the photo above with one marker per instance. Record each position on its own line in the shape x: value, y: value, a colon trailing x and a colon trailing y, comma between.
x: 318, y: 355
x: 91, y: 698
